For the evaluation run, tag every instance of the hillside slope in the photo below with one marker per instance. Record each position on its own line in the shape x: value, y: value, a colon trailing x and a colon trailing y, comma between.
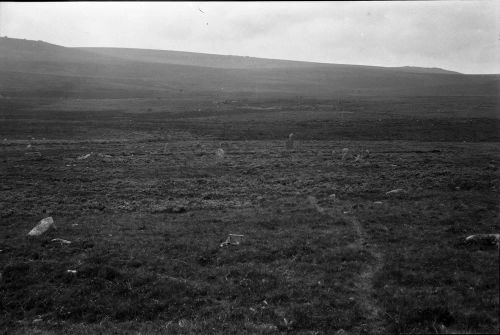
x: 35, y: 68
x: 234, y: 62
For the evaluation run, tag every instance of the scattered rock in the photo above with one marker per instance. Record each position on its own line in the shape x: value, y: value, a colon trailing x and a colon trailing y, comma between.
x: 96, y: 205
x: 71, y: 271
x: 232, y: 239
x: 287, y: 322
x: 126, y: 206
x: 178, y: 209
x: 159, y: 209
x: 377, y: 202
x: 183, y: 323
x: 60, y: 240
x: 42, y: 227
x: 84, y: 157
x: 263, y: 327
x: 396, y: 191
x: 168, y: 209
x: 484, y: 239
x: 341, y: 332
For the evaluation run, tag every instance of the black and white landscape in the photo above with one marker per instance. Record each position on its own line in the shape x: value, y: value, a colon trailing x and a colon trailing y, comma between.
x: 151, y: 191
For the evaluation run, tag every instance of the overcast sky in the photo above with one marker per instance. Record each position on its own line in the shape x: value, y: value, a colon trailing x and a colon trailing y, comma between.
x: 457, y: 35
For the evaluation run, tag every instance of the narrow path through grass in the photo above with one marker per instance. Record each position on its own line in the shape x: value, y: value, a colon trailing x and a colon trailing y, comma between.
x: 364, y: 283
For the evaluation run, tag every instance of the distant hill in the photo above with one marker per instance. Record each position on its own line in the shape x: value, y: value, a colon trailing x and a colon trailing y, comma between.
x: 228, y: 61
x: 35, y: 68
x: 194, y: 59
x: 415, y: 69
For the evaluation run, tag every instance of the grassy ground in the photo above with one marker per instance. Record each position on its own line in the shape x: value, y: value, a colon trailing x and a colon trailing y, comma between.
x: 324, y: 248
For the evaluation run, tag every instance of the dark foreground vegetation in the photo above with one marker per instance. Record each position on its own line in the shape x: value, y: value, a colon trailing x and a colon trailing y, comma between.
x: 147, y: 211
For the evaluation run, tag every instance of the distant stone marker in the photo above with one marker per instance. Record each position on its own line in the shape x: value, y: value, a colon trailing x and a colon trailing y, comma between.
x: 289, y: 142
x: 345, y: 152
x: 219, y: 155
x: 314, y: 203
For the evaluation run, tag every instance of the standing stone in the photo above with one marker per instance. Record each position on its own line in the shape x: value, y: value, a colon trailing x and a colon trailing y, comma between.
x: 289, y: 142
x: 219, y: 155
x: 345, y: 152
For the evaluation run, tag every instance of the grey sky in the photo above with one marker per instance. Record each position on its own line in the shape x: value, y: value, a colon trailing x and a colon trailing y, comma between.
x: 456, y: 35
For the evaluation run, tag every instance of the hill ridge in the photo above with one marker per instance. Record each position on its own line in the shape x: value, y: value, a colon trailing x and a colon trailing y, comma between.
x: 30, y: 67
x: 261, y: 60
